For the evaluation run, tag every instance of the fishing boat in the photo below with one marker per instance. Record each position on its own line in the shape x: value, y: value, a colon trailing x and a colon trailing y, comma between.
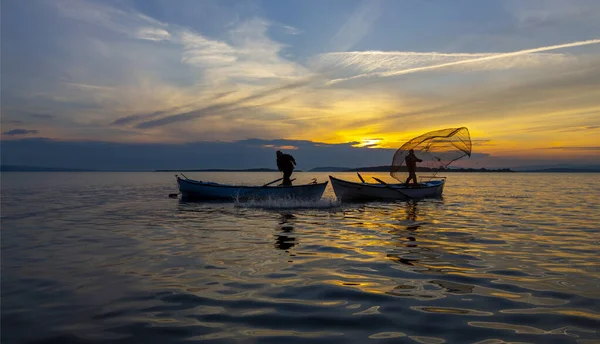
x: 435, y: 151
x: 200, y: 190
x: 354, y: 191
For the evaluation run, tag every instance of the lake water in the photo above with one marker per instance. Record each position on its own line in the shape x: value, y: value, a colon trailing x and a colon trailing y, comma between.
x: 110, y: 258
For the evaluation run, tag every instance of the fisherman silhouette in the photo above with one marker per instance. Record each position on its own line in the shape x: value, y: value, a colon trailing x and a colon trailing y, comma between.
x: 286, y: 164
x: 411, y: 164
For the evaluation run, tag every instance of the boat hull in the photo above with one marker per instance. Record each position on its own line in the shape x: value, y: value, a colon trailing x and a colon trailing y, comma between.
x: 351, y: 191
x: 196, y: 190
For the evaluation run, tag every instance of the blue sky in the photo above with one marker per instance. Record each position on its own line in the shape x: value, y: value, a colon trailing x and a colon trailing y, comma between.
x: 523, y: 76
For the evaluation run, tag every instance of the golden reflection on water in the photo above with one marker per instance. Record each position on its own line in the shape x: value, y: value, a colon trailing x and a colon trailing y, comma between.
x: 507, y: 252
x: 407, y: 235
x: 423, y: 248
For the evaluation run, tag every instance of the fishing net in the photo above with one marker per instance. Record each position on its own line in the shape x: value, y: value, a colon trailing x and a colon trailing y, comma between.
x: 438, y: 149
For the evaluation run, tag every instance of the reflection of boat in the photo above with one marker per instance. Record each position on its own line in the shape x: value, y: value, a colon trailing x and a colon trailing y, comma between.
x: 352, y: 191
x: 411, y: 215
x: 411, y: 218
x: 193, y: 189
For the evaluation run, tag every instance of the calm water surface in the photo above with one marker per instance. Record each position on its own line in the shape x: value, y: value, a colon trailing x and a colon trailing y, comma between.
x: 108, y: 257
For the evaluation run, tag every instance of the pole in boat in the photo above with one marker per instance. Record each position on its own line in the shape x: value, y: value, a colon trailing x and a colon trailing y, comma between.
x: 390, y: 187
x: 275, y: 181
x: 361, y: 178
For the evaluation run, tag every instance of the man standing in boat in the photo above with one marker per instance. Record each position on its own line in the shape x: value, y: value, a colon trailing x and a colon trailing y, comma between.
x: 286, y: 164
x: 411, y: 164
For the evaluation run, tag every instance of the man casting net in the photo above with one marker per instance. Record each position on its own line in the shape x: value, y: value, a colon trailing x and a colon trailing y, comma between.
x: 431, y: 152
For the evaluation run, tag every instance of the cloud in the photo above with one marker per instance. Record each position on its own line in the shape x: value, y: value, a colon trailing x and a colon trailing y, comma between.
x: 219, y: 108
x: 288, y: 147
x: 591, y: 148
x: 129, y: 22
x: 206, y: 53
x: 581, y: 128
x: 482, y: 143
x: 534, y: 13
x: 357, y: 26
x: 163, y: 67
x: 381, y: 63
x: 134, y: 78
x: 408, y: 62
x: 153, y: 34
x: 559, y: 127
x: 291, y: 30
x: 42, y: 116
x: 133, y: 118
x: 89, y: 87
x: 16, y: 132
x: 573, y: 88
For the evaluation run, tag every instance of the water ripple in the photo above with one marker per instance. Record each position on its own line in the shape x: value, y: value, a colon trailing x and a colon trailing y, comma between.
x: 109, y: 258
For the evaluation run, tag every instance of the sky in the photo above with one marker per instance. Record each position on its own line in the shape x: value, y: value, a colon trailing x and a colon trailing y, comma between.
x: 338, y: 83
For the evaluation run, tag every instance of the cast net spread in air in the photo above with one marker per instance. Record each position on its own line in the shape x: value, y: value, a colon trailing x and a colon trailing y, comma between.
x: 438, y: 149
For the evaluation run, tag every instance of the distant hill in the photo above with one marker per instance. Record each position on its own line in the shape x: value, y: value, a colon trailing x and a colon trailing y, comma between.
x: 559, y: 168
x: 566, y: 170
x: 225, y: 170
x: 16, y: 168
x: 371, y: 169
x: 329, y: 169
x: 385, y: 168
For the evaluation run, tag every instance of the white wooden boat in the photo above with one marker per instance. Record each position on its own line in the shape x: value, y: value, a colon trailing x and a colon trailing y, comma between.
x: 353, y: 191
x: 193, y: 189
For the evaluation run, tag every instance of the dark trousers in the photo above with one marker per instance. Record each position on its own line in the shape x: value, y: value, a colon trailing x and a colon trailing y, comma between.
x: 412, y: 175
x: 287, y: 173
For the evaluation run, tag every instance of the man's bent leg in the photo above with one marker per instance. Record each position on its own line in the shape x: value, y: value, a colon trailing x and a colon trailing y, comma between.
x: 286, y: 177
x: 412, y: 176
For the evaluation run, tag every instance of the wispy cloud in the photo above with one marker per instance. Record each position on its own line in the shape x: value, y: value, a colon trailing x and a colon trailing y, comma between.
x: 12, y: 121
x: 591, y: 148
x: 16, y: 132
x: 206, y: 53
x: 128, y: 22
x: 382, y: 63
x: 357, y: 26
x: 545, y: 12
x: 572, y: 86
x: 582, y: 127
x: 238, y: 67
x: 86, y: 86
x: 290, y: 30
x: 42, y: 115
x: 137, y: 117
x: 222, y: 107
x: 153, y: 34
x: 374, y: 60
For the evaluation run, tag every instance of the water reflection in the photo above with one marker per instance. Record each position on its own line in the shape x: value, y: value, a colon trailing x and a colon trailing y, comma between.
x: 405, y: 237
x: 482, y: 266
x: 283, y: 239
x: 411, y: 215
x: 454, y: 288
